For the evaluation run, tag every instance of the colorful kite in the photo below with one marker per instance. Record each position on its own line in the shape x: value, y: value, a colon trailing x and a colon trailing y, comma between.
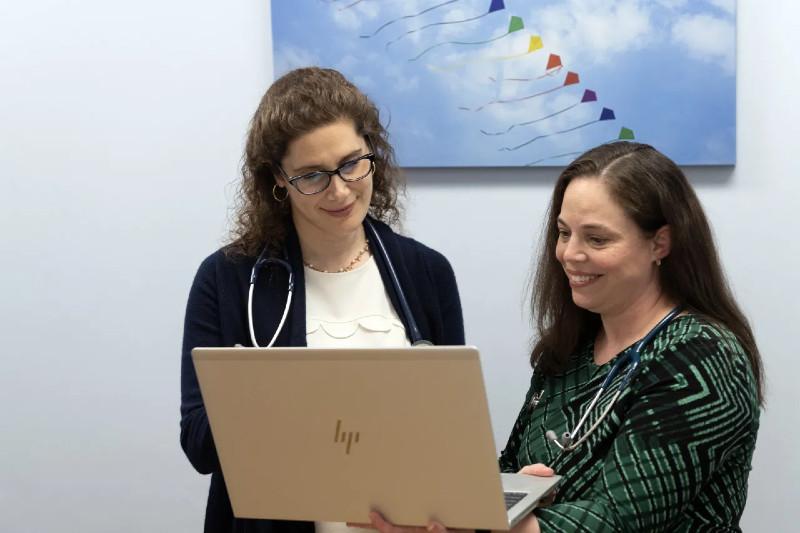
x: 625, y: 134
x: 515, y: 24
x: 571, y: 79
x: 534, y: 44
x: 553, y: 66
x: 496, y: 5
x: 605, y: 114
x: 588, y: 96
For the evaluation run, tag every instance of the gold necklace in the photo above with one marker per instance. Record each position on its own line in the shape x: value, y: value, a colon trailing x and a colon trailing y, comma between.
x: 349, y: 266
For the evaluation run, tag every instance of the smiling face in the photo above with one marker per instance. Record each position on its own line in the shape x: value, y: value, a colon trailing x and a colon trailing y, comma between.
x: 609, y: 261
x: 338, y: 211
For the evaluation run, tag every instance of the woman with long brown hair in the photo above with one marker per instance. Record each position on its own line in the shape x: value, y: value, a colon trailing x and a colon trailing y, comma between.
x: 647, y: 382
x: 669, y: 446
x: 318, y: 193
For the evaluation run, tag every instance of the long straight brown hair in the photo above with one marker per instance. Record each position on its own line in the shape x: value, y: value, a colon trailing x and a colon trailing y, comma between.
x: 652, y: 191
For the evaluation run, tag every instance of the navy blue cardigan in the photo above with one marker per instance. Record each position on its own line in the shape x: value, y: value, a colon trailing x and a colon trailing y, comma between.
x: 216, y: 315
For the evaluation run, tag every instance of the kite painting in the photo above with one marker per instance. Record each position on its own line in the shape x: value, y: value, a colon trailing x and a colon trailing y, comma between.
x: 498, y: 83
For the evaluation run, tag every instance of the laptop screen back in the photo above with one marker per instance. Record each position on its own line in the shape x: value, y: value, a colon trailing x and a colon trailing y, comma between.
x: 329, y: 434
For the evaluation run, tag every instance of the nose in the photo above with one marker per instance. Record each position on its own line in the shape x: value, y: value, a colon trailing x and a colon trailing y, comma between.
x: 573, y: 251
x: 338, y: 187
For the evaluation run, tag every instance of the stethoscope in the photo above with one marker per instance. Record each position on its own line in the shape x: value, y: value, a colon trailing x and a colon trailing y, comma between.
x: 632, y: 357
x: 264, y: 260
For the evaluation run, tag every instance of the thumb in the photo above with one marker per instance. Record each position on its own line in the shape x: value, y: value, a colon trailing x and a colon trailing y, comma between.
x: 436, y: 527
x: 537, y: 469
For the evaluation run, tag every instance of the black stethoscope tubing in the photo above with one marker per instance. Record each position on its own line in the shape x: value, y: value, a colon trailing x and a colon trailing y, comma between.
x: 632, y: 356
x: 413, y: 331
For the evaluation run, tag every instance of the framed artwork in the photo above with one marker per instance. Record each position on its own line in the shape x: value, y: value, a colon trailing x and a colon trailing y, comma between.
x: 505, y: 83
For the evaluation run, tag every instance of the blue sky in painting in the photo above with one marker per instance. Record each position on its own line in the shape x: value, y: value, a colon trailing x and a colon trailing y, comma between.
x: 665, y: 67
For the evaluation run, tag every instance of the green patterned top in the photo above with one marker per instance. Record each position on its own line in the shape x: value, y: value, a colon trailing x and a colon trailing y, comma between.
x: 674, y: 452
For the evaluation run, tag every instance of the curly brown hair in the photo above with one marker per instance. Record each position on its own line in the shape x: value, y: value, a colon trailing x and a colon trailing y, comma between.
x: 653, y: 191
x: 295, y: 104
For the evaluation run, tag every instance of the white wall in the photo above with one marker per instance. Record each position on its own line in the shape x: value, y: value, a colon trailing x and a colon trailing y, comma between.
x: 121, y: 127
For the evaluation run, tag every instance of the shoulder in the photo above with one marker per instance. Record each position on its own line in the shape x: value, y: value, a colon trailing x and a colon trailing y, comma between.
x: 701, y: 354
x: 416, y: 255
x: 699, y: 338
x: 221, y: 265
x: 431, y: 258
x: 224, y: 258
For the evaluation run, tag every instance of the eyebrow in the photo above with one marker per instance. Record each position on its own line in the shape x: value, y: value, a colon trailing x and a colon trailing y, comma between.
x: 588, y: 226
x: 314, y: 167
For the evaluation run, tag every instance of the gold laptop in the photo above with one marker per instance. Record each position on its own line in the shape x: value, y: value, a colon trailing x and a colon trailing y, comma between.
x: 330, y: 434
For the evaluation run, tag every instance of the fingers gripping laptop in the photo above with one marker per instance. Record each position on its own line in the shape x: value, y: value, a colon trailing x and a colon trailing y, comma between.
x: 330, y: 434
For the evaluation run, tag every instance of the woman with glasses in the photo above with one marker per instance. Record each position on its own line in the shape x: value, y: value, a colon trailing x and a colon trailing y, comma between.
x: 318, y: 193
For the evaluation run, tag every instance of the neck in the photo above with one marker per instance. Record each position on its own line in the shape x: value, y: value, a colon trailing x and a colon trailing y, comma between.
x: 623, y: 328
x: 330, y: 252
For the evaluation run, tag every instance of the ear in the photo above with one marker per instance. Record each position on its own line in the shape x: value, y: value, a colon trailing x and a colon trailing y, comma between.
x: 662, y: 242
x: 279, y: 179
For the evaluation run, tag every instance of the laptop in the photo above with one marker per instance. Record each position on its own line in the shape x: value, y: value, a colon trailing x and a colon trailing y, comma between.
x: 330, y: 434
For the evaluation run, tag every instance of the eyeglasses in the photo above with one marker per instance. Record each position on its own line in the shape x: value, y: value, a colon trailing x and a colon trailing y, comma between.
x: 315, y: 182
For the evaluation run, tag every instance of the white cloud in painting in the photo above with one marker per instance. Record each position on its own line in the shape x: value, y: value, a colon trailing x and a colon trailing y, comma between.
x: 728, y: 6
x: 289, y: 57
x: 360, y: 76
x: 441, y: 21
x: 363, y: 82
x: 346, y: 20
x: 367, y: 16
x: 449, y: 31
x: 401, y: 82
x: 362, y: 70
x: 596, y: 30
x: 347, y: 63
x: 707, y: 38
x: 672, y: 4
x: 351, y: 16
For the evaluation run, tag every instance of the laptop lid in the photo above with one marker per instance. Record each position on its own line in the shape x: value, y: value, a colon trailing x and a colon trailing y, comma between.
x: 329, y: 434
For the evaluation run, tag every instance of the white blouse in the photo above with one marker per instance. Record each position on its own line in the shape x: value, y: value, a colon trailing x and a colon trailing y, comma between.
x: 350, y: 309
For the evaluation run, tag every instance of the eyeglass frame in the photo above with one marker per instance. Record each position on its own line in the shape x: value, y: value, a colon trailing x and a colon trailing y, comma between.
x: 330, y: 173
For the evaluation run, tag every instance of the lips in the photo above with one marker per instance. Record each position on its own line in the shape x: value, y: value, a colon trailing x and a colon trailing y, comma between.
x: 580, y: 279
x: 341, y: 212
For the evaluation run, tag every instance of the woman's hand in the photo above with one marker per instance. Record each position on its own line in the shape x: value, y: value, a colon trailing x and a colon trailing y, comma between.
x: 541, y: 470
x: 377, y: 521
x: 538, y: 469
x: 528, y: 525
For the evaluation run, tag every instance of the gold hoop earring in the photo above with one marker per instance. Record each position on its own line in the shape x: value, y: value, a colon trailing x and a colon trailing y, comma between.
x: 275, y: 193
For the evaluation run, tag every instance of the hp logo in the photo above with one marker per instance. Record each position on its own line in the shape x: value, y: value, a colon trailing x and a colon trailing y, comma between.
x: 345, y: 436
